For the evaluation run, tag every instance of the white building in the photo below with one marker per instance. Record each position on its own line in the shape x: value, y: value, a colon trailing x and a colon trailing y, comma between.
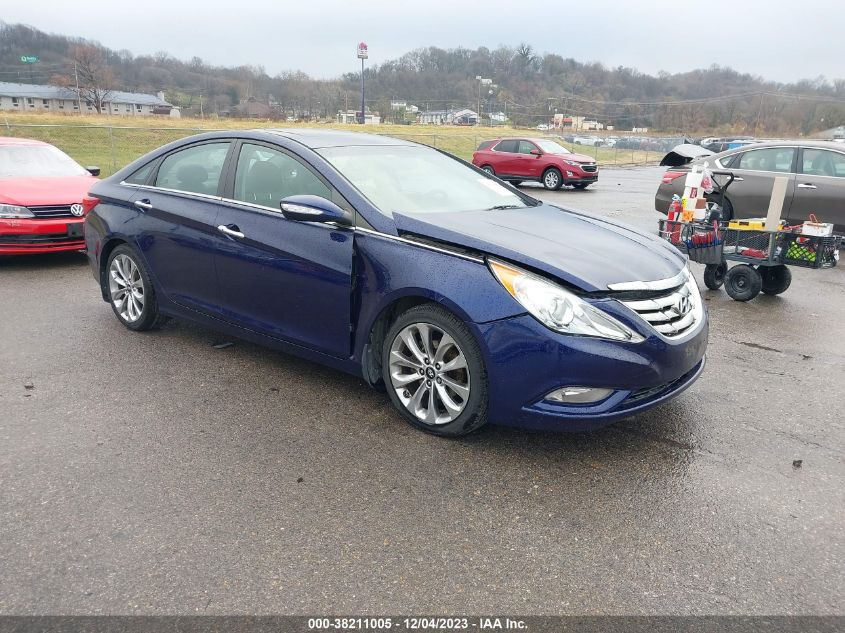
x: 448, y: 117
x: 40, y: 98
x: 351, y: 116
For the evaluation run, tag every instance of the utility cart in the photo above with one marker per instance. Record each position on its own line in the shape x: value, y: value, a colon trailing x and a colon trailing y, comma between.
x: 764, y: 256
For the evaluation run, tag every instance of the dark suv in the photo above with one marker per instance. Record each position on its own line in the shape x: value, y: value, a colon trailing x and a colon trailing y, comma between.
x: 539, y: 160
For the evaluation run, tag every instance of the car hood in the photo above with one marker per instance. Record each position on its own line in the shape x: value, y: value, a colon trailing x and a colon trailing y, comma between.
x: 582, y: 251
x: 578, y: 158
x: 39, y: 192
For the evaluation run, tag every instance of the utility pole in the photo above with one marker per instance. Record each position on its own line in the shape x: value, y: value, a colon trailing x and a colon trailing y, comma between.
x: 362, y: 55
x: 78, y: 98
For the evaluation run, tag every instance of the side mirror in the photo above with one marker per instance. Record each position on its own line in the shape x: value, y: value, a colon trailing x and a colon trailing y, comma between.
x: 94, y: 171
x: 536, y: 152
x: 308, y: 208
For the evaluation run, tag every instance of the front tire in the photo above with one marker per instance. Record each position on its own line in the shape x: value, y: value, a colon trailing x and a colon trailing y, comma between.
x: 714, y: 275
x: 743, y: 283
x: 434, y: 372
x: 131, y: 293
x: 552, y: 179
x: 776, y: 279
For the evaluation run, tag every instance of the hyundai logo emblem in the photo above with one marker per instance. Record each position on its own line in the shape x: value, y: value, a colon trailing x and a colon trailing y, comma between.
x: 684, y: 305
x: 77, y: 209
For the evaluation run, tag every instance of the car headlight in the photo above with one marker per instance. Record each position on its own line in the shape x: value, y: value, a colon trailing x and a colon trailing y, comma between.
x: 15, y: 211
x: 557, y: 308
x: 572, y: 163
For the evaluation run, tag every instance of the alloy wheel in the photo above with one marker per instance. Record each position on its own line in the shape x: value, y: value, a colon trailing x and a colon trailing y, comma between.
x: 126, y: 287
x: 429, y: 373
x: 551, y: 179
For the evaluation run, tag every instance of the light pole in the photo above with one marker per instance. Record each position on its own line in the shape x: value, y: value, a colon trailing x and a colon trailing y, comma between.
x: 362, y: 55
x: 482, y: 81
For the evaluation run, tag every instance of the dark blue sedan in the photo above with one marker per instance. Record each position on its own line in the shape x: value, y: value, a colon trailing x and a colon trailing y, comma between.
x: 466, y: 299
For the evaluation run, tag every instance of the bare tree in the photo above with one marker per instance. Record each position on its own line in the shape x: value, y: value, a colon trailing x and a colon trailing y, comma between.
x: 92, y: 76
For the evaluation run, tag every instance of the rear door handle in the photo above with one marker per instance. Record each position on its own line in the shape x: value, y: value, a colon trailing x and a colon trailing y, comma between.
x: 806, y: 185
x: 144, y: 204
x: 231, y: 230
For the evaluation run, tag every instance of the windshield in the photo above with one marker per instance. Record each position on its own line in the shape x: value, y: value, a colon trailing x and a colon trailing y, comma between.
x: 37, y: 161
x: 418, y: 180
x: 551, y: 147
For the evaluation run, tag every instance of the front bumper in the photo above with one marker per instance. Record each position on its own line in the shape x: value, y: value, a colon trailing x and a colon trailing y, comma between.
x: 526, y: 361
x: 26, y: 236
x: 572, y: 177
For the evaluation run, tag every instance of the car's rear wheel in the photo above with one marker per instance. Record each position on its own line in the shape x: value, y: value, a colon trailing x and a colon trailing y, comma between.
x: 489, y: 170
x: 434, y: 372
x: 552, y: 179
x: 581, y: 185
x: 131, y: 293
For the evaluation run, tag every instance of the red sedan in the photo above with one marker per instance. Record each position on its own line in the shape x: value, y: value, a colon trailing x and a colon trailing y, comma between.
x: 540, y: 160
x: 43, y: 198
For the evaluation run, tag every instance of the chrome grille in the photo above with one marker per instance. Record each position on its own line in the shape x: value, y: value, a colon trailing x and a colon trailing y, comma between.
x: 590, y: 167
x: 672, y: 314
x: 55, y: 211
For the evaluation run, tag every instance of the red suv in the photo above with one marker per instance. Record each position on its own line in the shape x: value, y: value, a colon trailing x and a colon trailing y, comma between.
x: 540, y: 160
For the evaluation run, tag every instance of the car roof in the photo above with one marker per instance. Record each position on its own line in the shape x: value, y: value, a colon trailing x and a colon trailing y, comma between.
x: 316, y: 139
x: 791, y: 143
x: 11, y: 140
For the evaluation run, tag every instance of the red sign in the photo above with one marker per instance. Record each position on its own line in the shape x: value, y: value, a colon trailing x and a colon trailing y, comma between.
x: 362, y: 50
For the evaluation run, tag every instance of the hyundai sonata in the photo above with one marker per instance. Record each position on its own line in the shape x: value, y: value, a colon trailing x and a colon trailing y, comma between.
x: 466, y: 299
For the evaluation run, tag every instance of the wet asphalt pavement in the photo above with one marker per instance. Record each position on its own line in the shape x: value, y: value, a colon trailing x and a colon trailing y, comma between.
x: 155, y: 473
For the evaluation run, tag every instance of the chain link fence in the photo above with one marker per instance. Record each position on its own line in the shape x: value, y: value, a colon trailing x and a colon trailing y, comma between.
x: 112, y: 147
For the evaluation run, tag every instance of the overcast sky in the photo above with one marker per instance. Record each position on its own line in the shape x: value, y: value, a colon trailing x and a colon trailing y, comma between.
x: 776, y: 39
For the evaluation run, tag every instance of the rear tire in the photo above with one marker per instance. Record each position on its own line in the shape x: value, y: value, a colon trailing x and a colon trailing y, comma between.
x: 776, y: 279
x: 131, y: 294
x: 552, y: 179
x: 743, y: 283
x: 418, y: 351
x: 714, y: 275
x: 489, y: 170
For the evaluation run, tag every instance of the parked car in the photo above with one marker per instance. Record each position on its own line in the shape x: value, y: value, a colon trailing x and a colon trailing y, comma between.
x: 592, y: 141
x: 470, y: 301
x: 43, y: 198
x: 816, y: 172
x: 543, y: 127
x: 541, y: 160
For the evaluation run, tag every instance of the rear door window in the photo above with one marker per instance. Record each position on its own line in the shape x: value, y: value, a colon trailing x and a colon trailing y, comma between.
x: 507, y: 146
x: 822, y: 162
x: 777, y: 159
x: 196, y: 169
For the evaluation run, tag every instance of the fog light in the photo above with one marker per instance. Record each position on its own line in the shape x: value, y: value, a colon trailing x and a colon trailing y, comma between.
x: 569, y: 174
x: 578, y: 395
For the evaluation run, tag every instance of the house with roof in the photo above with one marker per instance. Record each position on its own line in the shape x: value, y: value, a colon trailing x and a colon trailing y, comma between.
x: 42, y: 98
x: 448, y: 117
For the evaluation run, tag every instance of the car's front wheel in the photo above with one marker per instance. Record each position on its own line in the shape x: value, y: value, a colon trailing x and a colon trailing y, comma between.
x: 131, y: 293
x: 552, y: 179
x: 434, y: 372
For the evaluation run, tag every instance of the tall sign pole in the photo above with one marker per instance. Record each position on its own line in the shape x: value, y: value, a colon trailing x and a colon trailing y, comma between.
x: 362, y: 55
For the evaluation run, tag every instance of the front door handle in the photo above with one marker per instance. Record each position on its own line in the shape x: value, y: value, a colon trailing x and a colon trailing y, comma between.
x: 231, y: 230
x: 738, y: 179
x: 144, y: 205
x: 806, y: 185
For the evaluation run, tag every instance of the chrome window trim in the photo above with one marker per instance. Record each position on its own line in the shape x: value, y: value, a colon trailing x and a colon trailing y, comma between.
x: 189, y: 194
x: 436, y: 249
x: 658, y: 284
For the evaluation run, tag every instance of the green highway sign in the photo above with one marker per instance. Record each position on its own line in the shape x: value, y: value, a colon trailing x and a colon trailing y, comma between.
x: 28, y: 59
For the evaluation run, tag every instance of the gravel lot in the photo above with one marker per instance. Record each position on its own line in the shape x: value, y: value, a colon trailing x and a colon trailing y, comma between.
x: 156, y: 473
